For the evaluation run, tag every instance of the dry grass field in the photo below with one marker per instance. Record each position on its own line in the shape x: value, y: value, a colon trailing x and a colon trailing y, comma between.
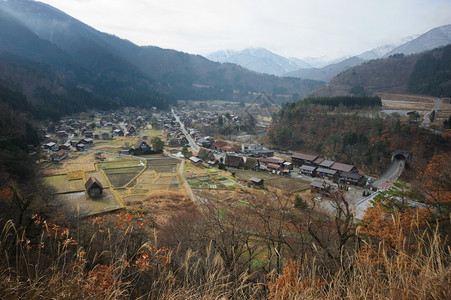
x: 414, y: 102
x: 287, y: 184
x: 78, y: 204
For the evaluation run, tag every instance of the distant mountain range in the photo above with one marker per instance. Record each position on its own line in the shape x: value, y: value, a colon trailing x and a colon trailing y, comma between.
x: 67, y: 57
x: 259, y: 60
x: 264, y: 61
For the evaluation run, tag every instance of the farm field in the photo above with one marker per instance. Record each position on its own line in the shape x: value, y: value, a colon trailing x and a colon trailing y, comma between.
x: 414, y: 102
x: 164, y: 164
x: 120, y: 173
x: 159, y: 177
x: 114, y: 145
x: 79, y: 204
x: 61, y: 184
x: 288, y: 184
x: 150, y: 132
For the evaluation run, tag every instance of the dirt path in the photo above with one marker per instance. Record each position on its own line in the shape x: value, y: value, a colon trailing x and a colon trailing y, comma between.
x: 188, y: 190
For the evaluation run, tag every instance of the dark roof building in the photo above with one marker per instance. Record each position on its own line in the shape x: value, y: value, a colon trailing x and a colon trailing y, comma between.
x: 143, y: 145
x: 93, y: 187
x: 326, y: 163
x: 318, y: 161
x: 256, y: 181
x: 320, y: 186
x: 233, y: 161
x: 300, y: 159
x: 307, y: 170
x: 343, y: 167
x: 250, y: 163
x: 352, y: 178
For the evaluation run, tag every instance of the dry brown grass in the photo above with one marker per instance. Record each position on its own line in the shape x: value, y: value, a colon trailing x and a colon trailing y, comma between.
x: 164, y: 204
x: 405, y: 274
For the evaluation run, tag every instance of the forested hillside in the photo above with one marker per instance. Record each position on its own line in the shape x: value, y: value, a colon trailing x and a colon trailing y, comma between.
x: 333, y: 129
x: 432, y: 74
x: 427, y: 73
x: 116, y: 68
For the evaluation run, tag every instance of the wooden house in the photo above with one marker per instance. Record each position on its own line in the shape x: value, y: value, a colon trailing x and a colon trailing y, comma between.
x: 51, y: 146
x: 256, y: 181
x: 105, y: 136
x: 308, y: 170
x: 299, y: 159
x: 328, y: 173
x: 352, y: 178
x: 320, y: 186
x: 118, y: 132
x: 59, y: 155
x: 87, y: 141
x: 339, y: 167
x: 251, y: 163
x: 206, y: 154
x: 274, y: 167
x: 327, y: 164
x: 93, y: 187
x: 233, y: 161
x: 263, y: 153
x: 140, y: 147
x: 131, y: 130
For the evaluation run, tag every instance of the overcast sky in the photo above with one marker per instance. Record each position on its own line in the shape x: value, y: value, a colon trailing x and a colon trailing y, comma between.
x: 291, y: 28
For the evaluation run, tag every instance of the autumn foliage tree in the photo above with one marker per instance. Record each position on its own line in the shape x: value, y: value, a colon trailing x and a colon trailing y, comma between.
x: 435, y: 183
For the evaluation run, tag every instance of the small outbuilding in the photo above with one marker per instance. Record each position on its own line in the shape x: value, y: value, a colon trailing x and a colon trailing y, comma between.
x: 93, y: 187
x: 256, y: 181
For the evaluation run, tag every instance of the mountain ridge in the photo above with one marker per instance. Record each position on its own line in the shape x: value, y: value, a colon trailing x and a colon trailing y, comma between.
x: 425, y: 73
x: 165, y: 71
x: 324, y: 69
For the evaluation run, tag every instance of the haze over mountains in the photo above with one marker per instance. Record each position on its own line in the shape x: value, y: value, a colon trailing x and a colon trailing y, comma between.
x: 264, y: 61
x: 41, y: 47
x: 63, y: 66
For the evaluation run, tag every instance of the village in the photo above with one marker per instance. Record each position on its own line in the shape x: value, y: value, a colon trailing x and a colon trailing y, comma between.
x: 105, y: 161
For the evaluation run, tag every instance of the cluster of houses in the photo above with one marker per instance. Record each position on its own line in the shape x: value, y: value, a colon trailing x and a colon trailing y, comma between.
x: 77, y: 135
x: 272, y: 165
x: 316, y: 166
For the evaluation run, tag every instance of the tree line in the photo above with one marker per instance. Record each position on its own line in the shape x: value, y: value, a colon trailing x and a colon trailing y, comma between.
x: 364, y: 140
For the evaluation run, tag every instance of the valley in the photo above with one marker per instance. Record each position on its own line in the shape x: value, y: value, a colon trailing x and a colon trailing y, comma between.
x: 135, y: 171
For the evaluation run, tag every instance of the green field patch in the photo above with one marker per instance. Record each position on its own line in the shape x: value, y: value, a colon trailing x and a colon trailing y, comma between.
x: 258, y: 263
x: 243, y: 203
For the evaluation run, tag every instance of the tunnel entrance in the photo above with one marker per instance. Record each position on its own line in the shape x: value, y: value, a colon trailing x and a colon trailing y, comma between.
x: 401, y: 155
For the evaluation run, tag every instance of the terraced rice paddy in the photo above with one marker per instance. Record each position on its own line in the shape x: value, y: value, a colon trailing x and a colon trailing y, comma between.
x: 120, y: 173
